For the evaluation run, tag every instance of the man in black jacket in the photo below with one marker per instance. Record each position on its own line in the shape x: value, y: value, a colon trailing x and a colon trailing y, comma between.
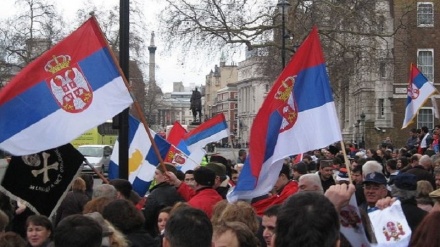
x: 161, y: 195
x: 404, y: 188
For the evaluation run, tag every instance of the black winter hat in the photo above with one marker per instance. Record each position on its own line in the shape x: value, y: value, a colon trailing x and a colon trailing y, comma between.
x: 204, y: 176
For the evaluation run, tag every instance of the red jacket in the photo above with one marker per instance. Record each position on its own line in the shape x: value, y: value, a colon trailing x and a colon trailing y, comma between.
x: 203, y: 199
x: 289, y: 189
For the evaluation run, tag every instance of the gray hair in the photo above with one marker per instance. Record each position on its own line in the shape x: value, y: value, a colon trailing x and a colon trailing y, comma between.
x: 314, y: 179
x: 371, y: 166
x: 402, y: 194
x: 105, y: 190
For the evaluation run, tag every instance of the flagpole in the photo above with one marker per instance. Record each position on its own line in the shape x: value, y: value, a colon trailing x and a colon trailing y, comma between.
x: 347, y: 162
x: 136, y: 105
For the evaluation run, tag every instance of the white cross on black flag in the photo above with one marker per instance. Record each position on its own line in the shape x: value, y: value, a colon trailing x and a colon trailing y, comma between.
x: 41, y: 180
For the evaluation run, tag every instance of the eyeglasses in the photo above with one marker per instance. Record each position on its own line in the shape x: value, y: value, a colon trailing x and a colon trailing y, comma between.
x: 372, y: 187
x: 189, y: 179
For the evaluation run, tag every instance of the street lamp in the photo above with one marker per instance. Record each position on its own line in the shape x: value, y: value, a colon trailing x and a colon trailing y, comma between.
x: 283, y: 7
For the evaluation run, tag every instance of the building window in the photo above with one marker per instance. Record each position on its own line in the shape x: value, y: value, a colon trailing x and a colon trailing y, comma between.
x: 425, y: 14
x: 382, y: 70
x: 425, y: 62
x: 425, y: 117
x: 381, y: 109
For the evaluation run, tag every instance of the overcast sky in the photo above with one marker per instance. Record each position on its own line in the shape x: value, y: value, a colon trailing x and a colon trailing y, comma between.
x: 171, y: 68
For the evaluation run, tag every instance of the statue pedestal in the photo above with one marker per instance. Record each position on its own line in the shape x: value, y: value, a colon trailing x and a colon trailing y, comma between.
x: 193, y: 125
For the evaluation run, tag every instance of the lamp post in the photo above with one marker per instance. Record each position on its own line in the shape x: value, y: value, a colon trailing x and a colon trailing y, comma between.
x: 363, y: 129
x: 283, y: 7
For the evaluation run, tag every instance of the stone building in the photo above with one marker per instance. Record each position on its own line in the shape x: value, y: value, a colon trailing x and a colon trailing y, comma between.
x: 217, y: 79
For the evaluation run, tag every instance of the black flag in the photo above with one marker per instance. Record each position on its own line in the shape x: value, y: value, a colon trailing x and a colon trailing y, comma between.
x: 41, y: 180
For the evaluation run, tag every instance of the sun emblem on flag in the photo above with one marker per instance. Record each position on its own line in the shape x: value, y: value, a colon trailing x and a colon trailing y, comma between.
x: 413, y: 91
x: 68, y: 85
x: 289, y: 109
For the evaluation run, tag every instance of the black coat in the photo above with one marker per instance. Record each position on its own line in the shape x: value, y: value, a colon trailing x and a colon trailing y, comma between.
x: 413, y: 214
x: 161, y: 195
x: 140, y: 238
x: 73, y: 203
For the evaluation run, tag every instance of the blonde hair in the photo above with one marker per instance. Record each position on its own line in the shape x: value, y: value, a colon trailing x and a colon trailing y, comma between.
x: 424, y: 188
x: 117, y: 238
x: 79, y: 184
x: 238, y: 211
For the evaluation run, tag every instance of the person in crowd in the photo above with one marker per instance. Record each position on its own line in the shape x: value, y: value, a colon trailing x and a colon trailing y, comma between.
x: 78, y: 230
x: 419, y: 170
x: 239, y: 211
x: 96, y: 205
x: 234, y: 177
x: 425, y: 140
x: 188, y: 227
x: 88, y: 178
x: 402, y: 162
x: 311, y: 219
x: 413, y: 140
x: 162, y: 218
x: 310, y: 182
x: 105, y: 190
x: 310, y: 162
x: 161, y: 195
x: 234, y: 234
x: 111, y: 237
x: 268, y: 223
x: 298, y: 170
x: 123, y: 188
x: 74, y: 201
x: 437, y: 177
x: 374, y: 189
x: 356, y: 175
x: 404, y: 188
x: 38, y: 231
x: 241, y: 156
x: 189, y: 178
x: 284, y: 187
x: 426, y: 234
x: 203, y: 197
x: 221, y: 180
x: 130, y: 221
x: 11, y: 239
x: 391, y: 166
x: 422, y: 195
x: 326, y: 174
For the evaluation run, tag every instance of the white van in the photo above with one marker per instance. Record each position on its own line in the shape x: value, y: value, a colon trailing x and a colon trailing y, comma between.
x: 98, y: 156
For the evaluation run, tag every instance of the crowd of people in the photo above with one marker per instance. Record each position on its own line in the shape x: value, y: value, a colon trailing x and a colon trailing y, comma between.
x: 190, y: 209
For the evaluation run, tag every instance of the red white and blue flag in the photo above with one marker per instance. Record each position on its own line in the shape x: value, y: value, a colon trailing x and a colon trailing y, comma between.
x: 212, y: 130
x: 68, y: 90
x: 419, y: 90
x: 298, y: 115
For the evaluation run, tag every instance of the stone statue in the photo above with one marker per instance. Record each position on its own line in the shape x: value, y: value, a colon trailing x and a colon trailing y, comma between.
x: 196, y: 105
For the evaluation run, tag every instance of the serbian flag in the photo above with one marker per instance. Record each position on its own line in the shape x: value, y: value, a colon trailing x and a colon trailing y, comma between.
x: 194, y: 141
x: 142, y: 161
x: 298, y: 115
x: 68, y: 90
x: 42, y: 180
x: 175, y: 137
x: 419, y: 90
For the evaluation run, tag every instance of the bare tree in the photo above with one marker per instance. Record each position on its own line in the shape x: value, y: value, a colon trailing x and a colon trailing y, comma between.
x: 351, y: 30
x: 30, y: 32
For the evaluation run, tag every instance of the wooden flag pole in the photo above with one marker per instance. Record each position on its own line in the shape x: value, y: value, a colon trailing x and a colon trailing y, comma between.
x: 135, y: 102
x: 347, y: 161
